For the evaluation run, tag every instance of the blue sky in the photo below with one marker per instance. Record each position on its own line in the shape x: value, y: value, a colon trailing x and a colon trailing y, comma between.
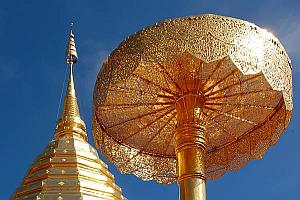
x: 33, y: 36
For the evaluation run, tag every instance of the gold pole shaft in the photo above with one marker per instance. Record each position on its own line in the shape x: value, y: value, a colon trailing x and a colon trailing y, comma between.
x: 192, y: 189
x: 190, y: 147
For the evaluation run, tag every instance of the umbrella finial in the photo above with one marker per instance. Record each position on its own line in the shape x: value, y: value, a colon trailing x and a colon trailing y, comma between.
x: 71, y: 53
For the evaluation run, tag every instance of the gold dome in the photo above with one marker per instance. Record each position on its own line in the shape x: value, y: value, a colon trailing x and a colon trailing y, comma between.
x: 69, y: 167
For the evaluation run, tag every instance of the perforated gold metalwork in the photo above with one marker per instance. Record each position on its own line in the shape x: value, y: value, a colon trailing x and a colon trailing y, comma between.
x: 240, y: 72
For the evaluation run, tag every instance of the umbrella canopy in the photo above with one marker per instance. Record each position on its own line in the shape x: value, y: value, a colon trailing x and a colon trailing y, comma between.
x: 239, y: 74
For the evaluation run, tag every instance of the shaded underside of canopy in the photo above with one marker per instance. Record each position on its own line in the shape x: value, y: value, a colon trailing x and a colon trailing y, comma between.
x: 241, y: 70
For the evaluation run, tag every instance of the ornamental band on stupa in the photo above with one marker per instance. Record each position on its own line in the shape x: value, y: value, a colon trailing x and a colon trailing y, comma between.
x: 69, y: 168
x: 191, y: 98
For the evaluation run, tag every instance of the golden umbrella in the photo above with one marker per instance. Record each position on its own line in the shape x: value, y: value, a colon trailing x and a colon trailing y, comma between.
x: 188, y: 99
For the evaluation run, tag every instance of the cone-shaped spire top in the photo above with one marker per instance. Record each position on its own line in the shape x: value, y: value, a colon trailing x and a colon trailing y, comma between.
x: 70, y: 121
x: 71, y: 53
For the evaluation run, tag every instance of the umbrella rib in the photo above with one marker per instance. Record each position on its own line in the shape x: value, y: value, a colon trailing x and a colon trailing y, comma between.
x: 144, y: 127
x: 197, y: 81
x: 215, y: 69
x: 221, y: 114
x: 157, y: 85
x: 128, y: 90
x: 242, y: 105
x: 140, y: 116
x: 219, y: 81
x: 167, y: 82
x: 128, y: 160
x: 186, y: 85
x: 166, y: 96
x: 255, y: 127
x: 166, y: 72
x: 169, y: 142
x: 219, y: 125
x: 118, y: 106
x: 238, y: 94
x: 230, y: 115
x: 230, y: 86
x: 159, y: 131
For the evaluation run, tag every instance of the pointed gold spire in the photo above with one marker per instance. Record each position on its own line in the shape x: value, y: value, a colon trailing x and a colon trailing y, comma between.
x: 69, y: 168
x: 71, y: 53
x: 70, y: 121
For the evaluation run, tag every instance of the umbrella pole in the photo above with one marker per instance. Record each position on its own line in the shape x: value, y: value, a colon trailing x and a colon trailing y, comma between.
x: 190, y: 144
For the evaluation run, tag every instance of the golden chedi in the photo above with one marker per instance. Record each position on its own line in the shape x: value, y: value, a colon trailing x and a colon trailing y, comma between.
x: 69, y: 167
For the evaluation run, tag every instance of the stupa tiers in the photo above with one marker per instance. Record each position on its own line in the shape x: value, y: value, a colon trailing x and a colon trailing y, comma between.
x: 69, y: 167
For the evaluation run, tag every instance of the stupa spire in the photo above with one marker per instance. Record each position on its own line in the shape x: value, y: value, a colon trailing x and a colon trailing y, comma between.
x: 70, y: 120
x: 69, y: 168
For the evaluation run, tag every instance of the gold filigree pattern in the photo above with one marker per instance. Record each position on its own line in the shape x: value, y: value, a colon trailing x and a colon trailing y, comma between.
x: 241, y: 71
